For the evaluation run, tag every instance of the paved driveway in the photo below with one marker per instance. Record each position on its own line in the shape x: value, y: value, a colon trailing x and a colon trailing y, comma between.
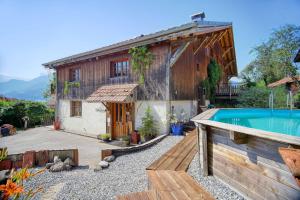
x: 45, y: 138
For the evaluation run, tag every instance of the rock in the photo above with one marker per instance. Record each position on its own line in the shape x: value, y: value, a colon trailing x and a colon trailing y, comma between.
x: 109, y: 158
x: 103, y: 164
x: 97, y: 168
x: 70, y: 162
x: 48, y: 165
x: 57, y: 167
x: 4, y: 175
x: 56, y: 159
x: 67, y: 167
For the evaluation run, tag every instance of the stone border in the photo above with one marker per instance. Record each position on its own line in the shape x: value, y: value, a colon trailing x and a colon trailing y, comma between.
x: 126, y: 150
x: 37, y: 158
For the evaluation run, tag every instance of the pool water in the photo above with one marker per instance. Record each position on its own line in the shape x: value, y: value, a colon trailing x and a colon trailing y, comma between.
x: 279, y: 121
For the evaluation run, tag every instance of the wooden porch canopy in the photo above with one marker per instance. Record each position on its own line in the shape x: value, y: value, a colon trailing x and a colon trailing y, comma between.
x: 123, y: 93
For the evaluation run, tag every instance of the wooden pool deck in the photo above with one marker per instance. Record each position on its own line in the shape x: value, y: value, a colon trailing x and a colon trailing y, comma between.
x: 167, y: 177
x: 179, y: 157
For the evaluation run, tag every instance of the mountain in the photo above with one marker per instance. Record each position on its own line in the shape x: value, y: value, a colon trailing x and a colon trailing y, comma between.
x: 4, y: 78
x: 27, y: 90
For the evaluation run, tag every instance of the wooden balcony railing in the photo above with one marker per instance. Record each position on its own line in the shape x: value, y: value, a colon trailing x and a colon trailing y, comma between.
x: 228, y: 90
x: 83, y: 89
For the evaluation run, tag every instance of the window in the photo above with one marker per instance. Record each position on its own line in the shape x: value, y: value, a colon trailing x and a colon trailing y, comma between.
x: 119, y: 68
x: 74, y: 75
x: 76, y: 108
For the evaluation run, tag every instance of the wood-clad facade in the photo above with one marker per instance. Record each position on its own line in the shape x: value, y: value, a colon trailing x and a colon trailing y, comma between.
x: 97, y: 72
x: 181, y: 56
x: 185, y: 75
x: 191, y: 68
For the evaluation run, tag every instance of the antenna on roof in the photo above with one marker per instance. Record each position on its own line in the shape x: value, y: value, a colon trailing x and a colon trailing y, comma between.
x: 197, y: 16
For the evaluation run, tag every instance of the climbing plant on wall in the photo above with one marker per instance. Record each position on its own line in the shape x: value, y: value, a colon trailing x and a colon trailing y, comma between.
x: 214, y: 75
x: 141, y: 59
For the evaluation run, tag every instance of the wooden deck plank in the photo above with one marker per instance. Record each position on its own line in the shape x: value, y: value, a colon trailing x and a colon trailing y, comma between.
x: 180, y: 155
x: 187, y: 160
x: 179, y: 152
x: 145, y: 195
x: 177, y: 184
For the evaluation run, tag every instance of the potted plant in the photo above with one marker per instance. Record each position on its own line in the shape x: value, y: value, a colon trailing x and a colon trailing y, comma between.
x: 135, y: 137
x: 177, y: 123
x: 126, y: 139
x: 104, y: 137
x: 148, y: 129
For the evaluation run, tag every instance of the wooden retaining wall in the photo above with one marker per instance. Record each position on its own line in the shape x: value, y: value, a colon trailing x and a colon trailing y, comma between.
x: 37, y: 158
x: 254, y: 167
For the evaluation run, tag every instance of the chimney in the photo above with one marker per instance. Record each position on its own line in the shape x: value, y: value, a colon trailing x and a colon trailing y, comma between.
x: 198, y: 16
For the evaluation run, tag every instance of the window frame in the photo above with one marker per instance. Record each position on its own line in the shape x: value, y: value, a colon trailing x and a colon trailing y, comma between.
x: 73, y: 109
x: 74, y: 74
x: 119, y: 68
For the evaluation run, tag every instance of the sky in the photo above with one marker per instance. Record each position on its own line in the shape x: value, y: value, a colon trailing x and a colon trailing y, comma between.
x: 33, y: 32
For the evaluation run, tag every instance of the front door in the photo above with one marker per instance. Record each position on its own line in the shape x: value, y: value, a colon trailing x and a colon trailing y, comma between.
x: 122, y: 119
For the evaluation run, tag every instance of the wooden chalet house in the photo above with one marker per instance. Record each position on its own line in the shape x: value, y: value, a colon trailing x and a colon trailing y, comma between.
x: 98, y: 92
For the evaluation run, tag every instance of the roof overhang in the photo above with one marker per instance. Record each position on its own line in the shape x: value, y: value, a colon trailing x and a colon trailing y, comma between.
x: 186, y: 30
x: 284, y: 81
x: 123, y: 93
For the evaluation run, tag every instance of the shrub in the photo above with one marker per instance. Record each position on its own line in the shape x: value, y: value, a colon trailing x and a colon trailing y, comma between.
x: 105, y: 136
x: 13, y: 112
x: 259, y: 97
x: 214, y: 75
x: 148, y: 128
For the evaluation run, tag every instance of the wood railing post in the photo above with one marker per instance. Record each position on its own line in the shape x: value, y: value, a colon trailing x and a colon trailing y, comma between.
x: 202, y: 148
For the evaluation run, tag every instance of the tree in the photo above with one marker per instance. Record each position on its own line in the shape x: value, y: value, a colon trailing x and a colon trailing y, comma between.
x: 214, y: 75
x: 148, y: 128
x: 51, y: 86
x: 274, y: 58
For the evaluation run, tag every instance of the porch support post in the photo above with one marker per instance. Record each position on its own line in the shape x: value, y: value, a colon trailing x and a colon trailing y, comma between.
x: 202, y: 145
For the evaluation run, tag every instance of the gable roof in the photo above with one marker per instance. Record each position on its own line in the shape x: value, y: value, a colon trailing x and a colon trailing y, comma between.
x: 185, y: 29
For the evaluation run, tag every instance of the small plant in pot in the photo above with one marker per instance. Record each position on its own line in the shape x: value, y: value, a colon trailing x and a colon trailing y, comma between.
x: 177, y: 123
x: 148, y: 129
x: 104, y: 137
x: 126, y: 139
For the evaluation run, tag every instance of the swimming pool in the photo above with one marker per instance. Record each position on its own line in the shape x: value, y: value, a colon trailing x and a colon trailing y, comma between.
x: 278, y: 121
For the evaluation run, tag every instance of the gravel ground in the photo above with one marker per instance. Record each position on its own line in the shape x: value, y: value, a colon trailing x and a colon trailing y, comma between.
x: 211, y: 184
x: 126, y: 174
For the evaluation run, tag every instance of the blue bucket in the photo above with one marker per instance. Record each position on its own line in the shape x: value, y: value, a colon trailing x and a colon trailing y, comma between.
x: 177, y: 129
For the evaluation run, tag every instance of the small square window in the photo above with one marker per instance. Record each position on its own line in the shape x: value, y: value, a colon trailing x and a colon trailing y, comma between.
x: 119, y: 69
x: 76, y: 108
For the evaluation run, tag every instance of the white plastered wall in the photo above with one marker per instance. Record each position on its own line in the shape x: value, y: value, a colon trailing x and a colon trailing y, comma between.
x: 188, y: 106
x: 159, y: 110
x: 92, y: 122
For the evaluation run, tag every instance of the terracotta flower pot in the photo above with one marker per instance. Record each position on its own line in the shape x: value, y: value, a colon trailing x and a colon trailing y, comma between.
x: 135, y: 137
x: 56, y: 125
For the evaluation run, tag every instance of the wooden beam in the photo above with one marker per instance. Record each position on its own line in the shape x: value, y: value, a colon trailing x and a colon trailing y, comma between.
x: 219, y: 37
x: 200, y: 46
x: 211, y: 39
x: 227, y: 51
x: 228, y: 64
x: 203, y: 149
x: 238, y: 138
x: 178, y: 53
